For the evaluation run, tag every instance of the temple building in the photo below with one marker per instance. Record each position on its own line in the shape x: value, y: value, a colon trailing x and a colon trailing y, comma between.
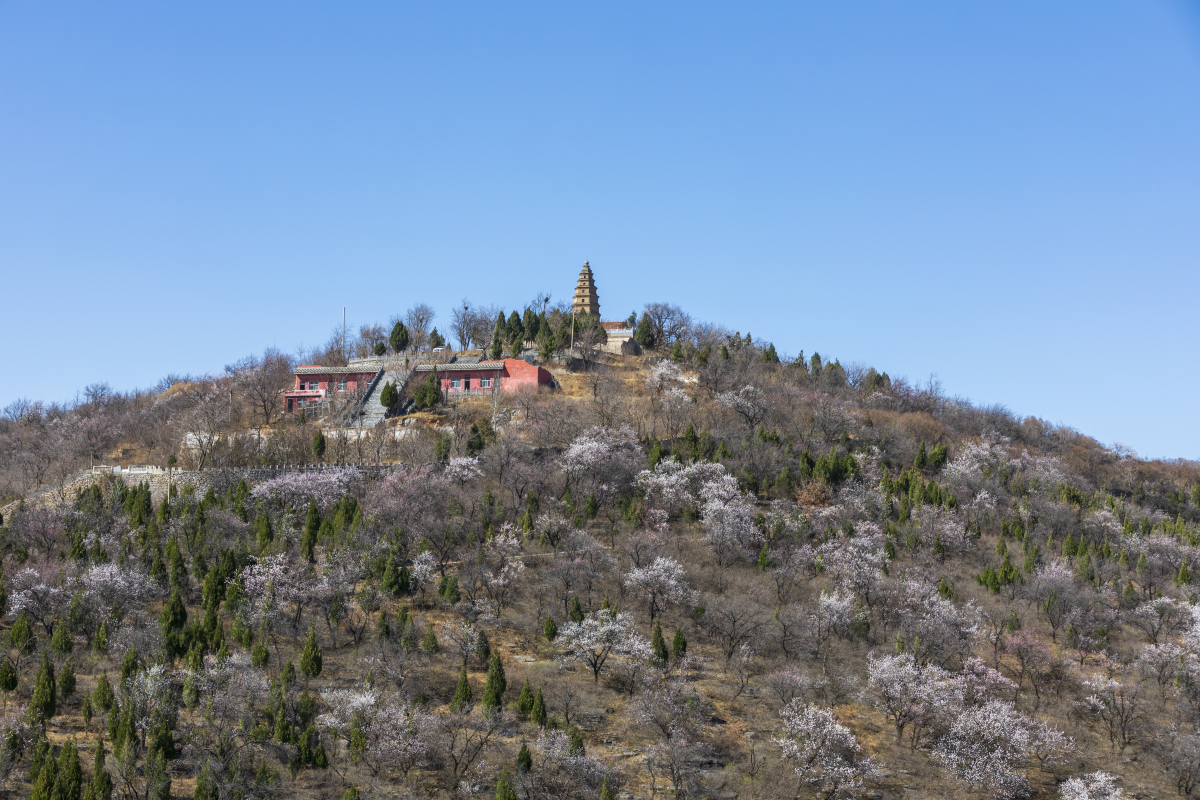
x: 586, y: 300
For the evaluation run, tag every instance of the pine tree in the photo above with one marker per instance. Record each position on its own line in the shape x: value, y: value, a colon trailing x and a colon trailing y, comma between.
x: 677, y: 353
x: 678, y: 645
x: 504, y: 787
x: 764, y: 558
x: 43, y: 785
x: 318, y: 445
x: 524, y: 759
x: 549, y: 628
x: 659, y: 645
x: 43, y: 706
x: 606, y: 791
x: 21, y: 634
x: 462, y: 693
x: 389, y: 396
x: 576, y: 612
x: 429, y: 644
x: 310, y: 659
x: 312, y: 531
x: 922, y: 459
x: 483, y: 648
x: 769, y: 356
x: 495, y: 686
x: 8, y: 679
x: 537, y: 714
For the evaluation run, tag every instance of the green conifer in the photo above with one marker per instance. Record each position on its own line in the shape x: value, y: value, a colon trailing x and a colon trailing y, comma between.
x: 495, y: 686
x: 43, y: 706
x: 549, y: 628
x: 430, y: 644
x: 525, y: 699
x: 102, y: 785
x: 537, y: 713
x: 318, y: 445
x: 103, y: 695
x: 310, y: 659
x: 66, y: 680
x: 659, y: 645
x: 462, y: 693
x: 68, y: 785
x: 524, y: 759
x: 504, y: 786
x: 576, y: 612
x: 678, y: 645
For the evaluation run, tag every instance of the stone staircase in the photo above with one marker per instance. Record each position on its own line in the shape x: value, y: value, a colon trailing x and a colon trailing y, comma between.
x: 371, y: 412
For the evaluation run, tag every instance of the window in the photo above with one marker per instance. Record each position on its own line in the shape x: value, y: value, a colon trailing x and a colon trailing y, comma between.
x: 456, y: 383
x: 341, y: 386
x: 485, y: 383
x: 313, y: 386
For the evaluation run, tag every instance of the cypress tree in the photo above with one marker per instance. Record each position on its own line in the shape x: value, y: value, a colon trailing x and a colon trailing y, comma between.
x: 504, y: 787
x: 43, y: 785
x: 496, y: 685
x: 525, y: 699
x: 644, y: 335
x: 483, y: 648
x: 310, y: 659
x: 462, y: 693
x: 606, y: 791
x: 678, y: 645
x: 43, y: 705
x: 388, y: 397
x: 659, y: 646
x: 399, y: 338
x: 66, y: 680
x: 922, y: 459
x: 62, y: 643
x: 537, y: 714
x: 312, y: 530
x: 102, y: 785
x: 103, y: 695
x: 69, y: 783
x: 318, y: 445
x: 262, y: 530
x: 430, y: 644
x: 549, y: 628
x: 21, y: 634
x: 677, y: 353
x: 8, y: 678
x: 524, y: 759
x: 576, y: 612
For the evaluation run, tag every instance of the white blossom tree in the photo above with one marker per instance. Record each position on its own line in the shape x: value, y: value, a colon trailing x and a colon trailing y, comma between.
x: 824, y: 753
x: 599, y: 636
x: 660, y: 585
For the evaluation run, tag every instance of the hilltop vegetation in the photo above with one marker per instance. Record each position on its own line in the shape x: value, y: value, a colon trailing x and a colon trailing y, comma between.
x: 709, y: 571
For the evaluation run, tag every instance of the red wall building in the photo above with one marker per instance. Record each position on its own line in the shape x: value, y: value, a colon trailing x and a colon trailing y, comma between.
x: 485, y: 377
x: 315, y: 383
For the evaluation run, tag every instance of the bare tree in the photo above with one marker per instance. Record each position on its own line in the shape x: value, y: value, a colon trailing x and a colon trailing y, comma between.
x: 463, y: 323
x: 262, y: 380
x: 668, y: 323
x: 418, y: 319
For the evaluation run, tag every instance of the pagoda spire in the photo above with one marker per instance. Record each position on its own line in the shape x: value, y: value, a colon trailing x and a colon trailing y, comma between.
x: 586, y: 300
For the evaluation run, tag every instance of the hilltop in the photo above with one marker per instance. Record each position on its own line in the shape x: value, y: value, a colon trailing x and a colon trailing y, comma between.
x: 689, y: 568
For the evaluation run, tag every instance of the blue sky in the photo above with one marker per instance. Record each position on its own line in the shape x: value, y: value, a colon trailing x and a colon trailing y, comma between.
x: 1006, y: 195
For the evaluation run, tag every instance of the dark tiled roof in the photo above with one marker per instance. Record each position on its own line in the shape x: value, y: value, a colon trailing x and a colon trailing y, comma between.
x: 460, y: 367
x: 356, y: 369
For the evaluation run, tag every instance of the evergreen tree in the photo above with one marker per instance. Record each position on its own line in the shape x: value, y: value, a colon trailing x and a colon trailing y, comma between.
x: 171, y: 621
x: 318, y: 445
x: 524, y: 759
x: 514, y: 331
x: 103, y: 695
x: 399, y: 338
x: 43, y: 706
x: 495, y: 686
x: 312, y: 531
x: 537, y: 714
x: 380, y: 348
x: 66, y: 680
x: 483, y: 648
x: 69, y: 783
x: 525, y: 699
x: 462, y: 693
x: 644, y: 335
x: 262, y: 530
x: 8, y: 678
x: 21, y: 634
x: 102, y: 785
x: 436, y: 339
x: 677, y: 353
x: 47, y: 775
x: 606, y: 791
x: 922, y: 459
x: 769, y: 356
x: 549, y: 629
x: 576, y: 612
x: 310, y: 659
x: 62, y: 643
x: 388, y: 397
x: 429, y: 644
x: 678, y: 645
x: 659, y: 646
x: 504, y: 787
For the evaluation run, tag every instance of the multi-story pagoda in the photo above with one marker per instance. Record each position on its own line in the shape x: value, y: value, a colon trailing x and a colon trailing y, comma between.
x: 586, y: 300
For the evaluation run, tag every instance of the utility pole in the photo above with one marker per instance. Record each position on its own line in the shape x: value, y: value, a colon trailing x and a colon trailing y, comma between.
x: 344, y: 333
